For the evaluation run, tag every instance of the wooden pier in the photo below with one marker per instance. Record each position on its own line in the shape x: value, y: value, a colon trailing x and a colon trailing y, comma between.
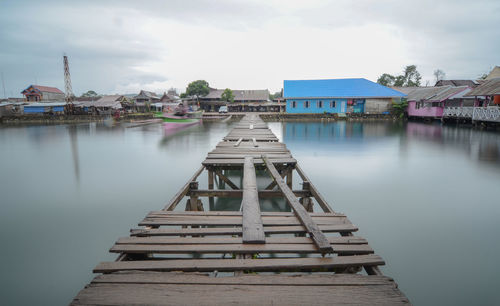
x: 248, y: 257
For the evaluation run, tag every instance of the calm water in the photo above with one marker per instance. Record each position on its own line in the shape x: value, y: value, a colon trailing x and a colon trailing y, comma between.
x: 425, y: 196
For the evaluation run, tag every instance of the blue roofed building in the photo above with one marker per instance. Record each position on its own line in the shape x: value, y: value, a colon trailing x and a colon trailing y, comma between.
x: 338, y: 96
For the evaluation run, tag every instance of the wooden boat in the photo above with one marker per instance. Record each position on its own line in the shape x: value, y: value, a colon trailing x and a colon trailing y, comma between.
x: 173, y: 122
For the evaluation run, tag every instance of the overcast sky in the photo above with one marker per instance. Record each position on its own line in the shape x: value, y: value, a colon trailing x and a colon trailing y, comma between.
x: 124, y: 46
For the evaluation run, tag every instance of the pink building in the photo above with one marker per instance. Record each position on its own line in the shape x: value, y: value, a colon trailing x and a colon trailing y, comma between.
x: 429, y: 102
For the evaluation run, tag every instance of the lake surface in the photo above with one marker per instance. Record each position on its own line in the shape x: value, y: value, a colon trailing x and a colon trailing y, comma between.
x: 425, y: 196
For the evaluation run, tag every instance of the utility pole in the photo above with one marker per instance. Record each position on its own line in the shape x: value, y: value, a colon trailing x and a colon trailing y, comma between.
x: 67, y: 82
x: 3, y: 85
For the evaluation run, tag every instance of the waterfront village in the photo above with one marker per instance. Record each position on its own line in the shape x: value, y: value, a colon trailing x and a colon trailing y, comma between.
x: 463, y: 101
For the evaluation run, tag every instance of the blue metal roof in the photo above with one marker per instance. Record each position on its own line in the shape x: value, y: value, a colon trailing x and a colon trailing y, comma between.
x: 337, y: 88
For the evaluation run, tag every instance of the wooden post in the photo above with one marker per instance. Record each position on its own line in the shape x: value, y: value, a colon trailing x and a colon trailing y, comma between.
x: 193, y: 198
x: 306, y: 201
x: 289, y: 177
x: 211, y: 203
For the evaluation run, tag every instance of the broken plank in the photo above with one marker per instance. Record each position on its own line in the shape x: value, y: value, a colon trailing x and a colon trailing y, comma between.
x: 253, y: 231
x: 306, y: 220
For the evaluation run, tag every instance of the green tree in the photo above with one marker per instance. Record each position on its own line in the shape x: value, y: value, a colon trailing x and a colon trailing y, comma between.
x: 227, y: 95
x: 386, y: 79
x: 275, y: 95
x: 90, y: 94
x: 197, y: 88
x: 410, y: 77
x: 399, y: 108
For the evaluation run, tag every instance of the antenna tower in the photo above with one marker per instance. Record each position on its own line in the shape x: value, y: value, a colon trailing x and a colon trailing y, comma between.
x: 67, y: 81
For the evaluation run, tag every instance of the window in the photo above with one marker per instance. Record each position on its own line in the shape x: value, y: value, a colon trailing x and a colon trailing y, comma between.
x: 306, y: 104
x: 294, y: 104
x: 332, y: 104
x: 320, y: 104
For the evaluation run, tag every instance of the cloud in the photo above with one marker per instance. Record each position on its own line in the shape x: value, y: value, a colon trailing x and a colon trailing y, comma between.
x: 127, y: 45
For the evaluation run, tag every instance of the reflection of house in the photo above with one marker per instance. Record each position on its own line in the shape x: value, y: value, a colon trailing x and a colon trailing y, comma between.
x: 36, y: 93
x: 338, y: 96
x: 243, y: 99
x: 429, y: 102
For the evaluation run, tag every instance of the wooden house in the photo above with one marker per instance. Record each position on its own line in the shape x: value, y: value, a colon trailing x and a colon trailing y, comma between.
x: 38, y: 93
x: 430, y: 102
x: 244, y: 100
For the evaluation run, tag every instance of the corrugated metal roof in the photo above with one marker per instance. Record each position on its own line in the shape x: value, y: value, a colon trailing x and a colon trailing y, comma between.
x: 488, y: 88
x: 45, y: 89
x: 405, y: 90
x: 147, y: 94
x: 44, y: 104
x: 109, y: 98
x: 469, y: 83
x: 337, y: 88
x: 494, y: 73
x: 446, y: 94
x: 423, y: 93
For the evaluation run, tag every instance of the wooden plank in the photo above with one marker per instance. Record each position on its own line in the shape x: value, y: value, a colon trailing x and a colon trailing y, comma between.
x: 235, y: 240
x: 245, y: 248
x: 253, y: 229
x: 238, y: 213
x: 183, y: 191
x: 334, y: 228
x: 239, y: 193
x: 149, y: 277
x: 238, y: 142
x: 240, y: 161
x: 221, y: 265
x: 319, y: 198
x: 306, y: 220
x: 276, y: 295
x: 242, y: 155
x: 225, y: 179
x: 234, y: 221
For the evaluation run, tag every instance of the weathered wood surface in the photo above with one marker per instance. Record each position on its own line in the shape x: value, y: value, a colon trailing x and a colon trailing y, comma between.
x: 181, y: 193
x: 253, y: 228
x: 337, y: 228
x: 237, y: 242
x: 306, y: 220
x: 244, y: 248
x: 263, y: 264
x: 171, y: 288
x: 238, y: 221
x: 238, y: 213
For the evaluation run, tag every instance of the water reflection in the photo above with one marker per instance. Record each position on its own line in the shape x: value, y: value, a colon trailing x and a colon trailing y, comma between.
x: 74, y: 150
x: 483, y: 146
